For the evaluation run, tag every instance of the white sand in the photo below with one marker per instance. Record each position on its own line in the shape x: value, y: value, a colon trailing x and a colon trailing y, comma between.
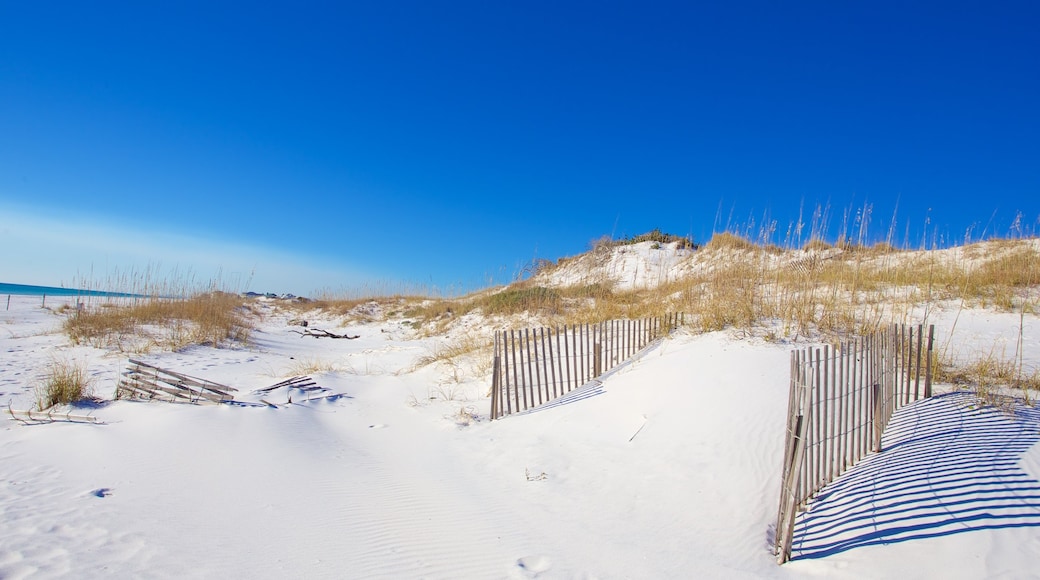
x: 670, y: 469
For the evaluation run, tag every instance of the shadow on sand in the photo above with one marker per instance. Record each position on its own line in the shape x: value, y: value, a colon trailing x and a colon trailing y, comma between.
x: 947, y: 467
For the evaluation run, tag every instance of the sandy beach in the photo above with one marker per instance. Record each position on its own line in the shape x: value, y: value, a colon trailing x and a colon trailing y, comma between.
x: 393, y: 470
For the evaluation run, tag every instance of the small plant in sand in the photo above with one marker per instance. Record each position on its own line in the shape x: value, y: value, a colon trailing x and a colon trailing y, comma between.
x: 532, y: 477
x: 65, y: 382
x: 465, y: 416
x: 996, y: 380
x: 307, y: 366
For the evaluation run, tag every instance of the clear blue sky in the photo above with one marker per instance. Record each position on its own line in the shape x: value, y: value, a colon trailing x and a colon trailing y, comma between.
x: 305, y: 146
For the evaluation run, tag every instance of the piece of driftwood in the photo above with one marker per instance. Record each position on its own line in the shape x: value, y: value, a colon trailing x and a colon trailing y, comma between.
x: 33, y: 417
x: 319, y: 333
x: 145, y: 381
x: 303, y: 383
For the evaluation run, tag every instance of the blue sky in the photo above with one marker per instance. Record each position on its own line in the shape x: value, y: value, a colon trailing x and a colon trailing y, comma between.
x: 306, y: 146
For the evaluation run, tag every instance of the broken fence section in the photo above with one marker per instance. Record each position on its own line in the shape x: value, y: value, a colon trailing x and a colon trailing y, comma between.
x: 535, y: 366
x: 303, y: 383
x: 840, y: 402
x: 145, y: 381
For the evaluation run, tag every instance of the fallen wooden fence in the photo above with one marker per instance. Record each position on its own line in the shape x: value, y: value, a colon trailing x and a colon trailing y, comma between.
x: 145, y: 381
x: 840, y: 402
x: 535, y: 366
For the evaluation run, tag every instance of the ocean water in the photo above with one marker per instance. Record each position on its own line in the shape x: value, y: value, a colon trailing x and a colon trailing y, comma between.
x: 28, y: 290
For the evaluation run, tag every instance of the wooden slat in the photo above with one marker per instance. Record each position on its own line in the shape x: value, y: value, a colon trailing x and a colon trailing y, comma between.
x: 176, y: 389
x: 303, y: 383
x: 516, y: 372
x: 545, y: 367
x: 917, y: 367
x: 536, y: 375
x: 552, y: 362
x: 928, y: 363
x: 495, y: 380
x: 568, y: 358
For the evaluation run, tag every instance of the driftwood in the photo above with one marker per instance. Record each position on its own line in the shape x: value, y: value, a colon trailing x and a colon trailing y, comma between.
x: 32, y: 417
x: 319, y: 333
x: 303, y: 383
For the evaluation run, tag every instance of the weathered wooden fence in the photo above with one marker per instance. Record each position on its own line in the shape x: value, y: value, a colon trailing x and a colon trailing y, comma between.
x: 535, y: 366
x: 840, y: 402
x: 145, y: 381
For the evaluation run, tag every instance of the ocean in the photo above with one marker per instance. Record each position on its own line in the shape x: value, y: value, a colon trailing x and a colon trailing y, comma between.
x: 28, y: 290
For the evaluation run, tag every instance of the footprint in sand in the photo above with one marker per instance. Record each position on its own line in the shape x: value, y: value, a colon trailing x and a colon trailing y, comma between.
x: 533, y: 566
x: 101, y: 492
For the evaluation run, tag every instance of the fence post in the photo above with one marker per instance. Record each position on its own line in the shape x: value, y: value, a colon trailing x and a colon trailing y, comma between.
x: 552, y: 360
x: 789, y: 429
x: 878, y: 412
x: 818, y: 434
x: 597, y: 356
x: 567, y: 359
x: 495, y: 380
x: 529, y: 384
x: 580, y: 353
x: 917, y: 368
x: 520, y: 388
x: 790, y: 487
x: 928, y: 363
x: 827, y: 391
x: 536, y: 377
x: 901, y: 364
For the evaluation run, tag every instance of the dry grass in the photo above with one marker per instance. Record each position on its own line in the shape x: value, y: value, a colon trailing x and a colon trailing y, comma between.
x: 308, y: 366
x: 817, y: 245
x: 995, y: 381
x: 65, y: 382
x: 987, y: 372
x: 211, y: 318
x: 840, y: 291
x: 729, y: 241
x: 810, y: 289
x: 467, y: 356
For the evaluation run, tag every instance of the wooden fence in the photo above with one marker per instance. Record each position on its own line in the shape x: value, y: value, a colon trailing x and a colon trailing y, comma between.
x: 145, y: 381
x: 840, y: 402
x: 535, y: 366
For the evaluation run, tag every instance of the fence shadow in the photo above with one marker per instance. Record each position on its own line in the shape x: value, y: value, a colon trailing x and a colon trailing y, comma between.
x: 947, y: 468
x: 591, y: 389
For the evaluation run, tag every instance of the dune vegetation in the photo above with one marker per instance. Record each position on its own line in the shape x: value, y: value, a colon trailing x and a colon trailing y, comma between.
x: 800, y: 288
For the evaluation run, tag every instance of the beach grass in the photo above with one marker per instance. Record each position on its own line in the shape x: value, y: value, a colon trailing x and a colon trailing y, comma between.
x: 796, y: 283
x: 209, y: 318
x: 64, y: 382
